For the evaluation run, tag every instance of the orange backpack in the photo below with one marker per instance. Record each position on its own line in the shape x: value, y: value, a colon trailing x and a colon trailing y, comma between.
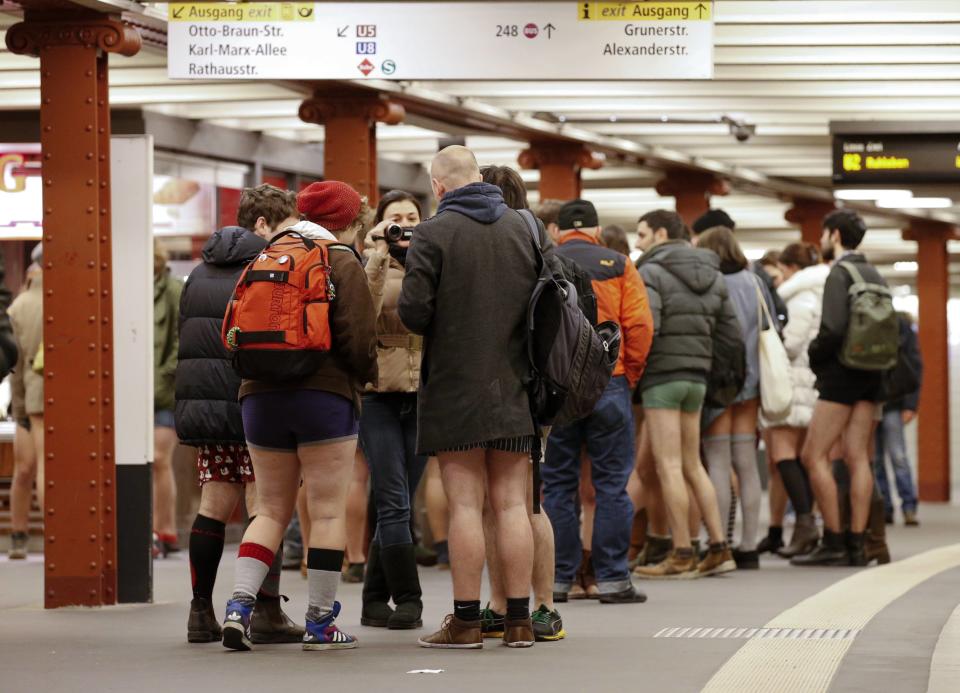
x: 277, y: 322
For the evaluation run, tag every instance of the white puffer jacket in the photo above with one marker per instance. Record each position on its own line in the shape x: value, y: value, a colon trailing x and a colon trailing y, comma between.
x: 803, y: 294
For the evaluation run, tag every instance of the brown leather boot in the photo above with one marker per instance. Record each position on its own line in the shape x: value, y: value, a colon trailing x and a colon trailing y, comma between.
x: 269, y: 625
x: 455, y: 634
x: 875, y: 544
x: 518, y: 633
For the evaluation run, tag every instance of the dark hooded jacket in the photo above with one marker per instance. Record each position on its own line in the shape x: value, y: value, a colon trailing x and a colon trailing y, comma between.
x: 469, y: 275
x: 689, y: 302
x: 207, y: 409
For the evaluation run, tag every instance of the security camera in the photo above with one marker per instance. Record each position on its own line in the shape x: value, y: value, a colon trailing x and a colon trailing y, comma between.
x: 740, y: 130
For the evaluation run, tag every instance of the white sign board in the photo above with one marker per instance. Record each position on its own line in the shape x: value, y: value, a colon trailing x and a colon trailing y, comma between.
x: 446, y: 40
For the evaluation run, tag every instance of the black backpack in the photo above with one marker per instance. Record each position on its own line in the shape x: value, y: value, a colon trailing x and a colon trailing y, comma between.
x: 574, y: 273
x: 728, y: 370
x: 571, y: 361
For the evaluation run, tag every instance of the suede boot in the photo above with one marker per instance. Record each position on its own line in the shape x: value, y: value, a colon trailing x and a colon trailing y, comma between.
x: 875, y: 545
x: 376, y: 595
x: 269, y: 625
x: 400, y: 568
x: 202, y: 623
x: 804, y: 539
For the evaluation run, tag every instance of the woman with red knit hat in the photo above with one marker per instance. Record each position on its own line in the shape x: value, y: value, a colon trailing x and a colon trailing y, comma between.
x: 308, y: 427
x: 340, y: 209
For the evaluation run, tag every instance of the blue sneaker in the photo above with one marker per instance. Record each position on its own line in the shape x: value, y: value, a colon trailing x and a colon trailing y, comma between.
x: 236, y: 626
x: 323, y: 635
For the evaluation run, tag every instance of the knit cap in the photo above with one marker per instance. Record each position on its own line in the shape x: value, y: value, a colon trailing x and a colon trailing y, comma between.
x: 330, y: 203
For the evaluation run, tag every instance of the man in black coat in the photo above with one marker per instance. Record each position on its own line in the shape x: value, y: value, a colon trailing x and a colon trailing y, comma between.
x: 470, y: 273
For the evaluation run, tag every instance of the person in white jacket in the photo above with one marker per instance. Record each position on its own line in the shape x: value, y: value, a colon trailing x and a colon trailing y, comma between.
x: 802, y: 290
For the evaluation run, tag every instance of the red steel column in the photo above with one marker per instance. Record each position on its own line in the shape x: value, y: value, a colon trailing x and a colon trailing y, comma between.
x: 80, y: 526
x: 808, y: 215
x: 560, y: 163
x: 350, y: 120
x: 933, y: 420
x: 692, y: 191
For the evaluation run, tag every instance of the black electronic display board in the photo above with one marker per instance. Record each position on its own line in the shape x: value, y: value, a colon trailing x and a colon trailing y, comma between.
x: 896, y: 158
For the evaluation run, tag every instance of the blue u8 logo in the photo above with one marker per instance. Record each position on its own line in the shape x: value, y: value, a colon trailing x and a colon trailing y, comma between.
x: 366, y: 47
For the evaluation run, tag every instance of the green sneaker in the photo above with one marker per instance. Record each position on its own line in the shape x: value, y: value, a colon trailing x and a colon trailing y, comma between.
x: 491, y: 623
x: 547, y: 625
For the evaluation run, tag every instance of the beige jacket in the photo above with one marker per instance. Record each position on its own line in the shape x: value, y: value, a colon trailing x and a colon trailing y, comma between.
x: 26, y: 317
x: 398, y: 351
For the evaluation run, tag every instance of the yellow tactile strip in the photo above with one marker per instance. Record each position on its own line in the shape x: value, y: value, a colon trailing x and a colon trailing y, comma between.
x: 808, y: 666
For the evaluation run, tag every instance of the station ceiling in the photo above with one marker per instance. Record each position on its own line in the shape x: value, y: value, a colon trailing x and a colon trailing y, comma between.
x: 788, y: 67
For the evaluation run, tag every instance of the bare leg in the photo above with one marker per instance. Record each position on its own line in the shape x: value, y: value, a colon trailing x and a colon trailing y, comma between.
x: 278, y: 478
x: 303, y: 511
x: 650, y: 491
x: 24, y: 473
x: 696, y: 475
x: 507, y: 476
x: 498, y: 595
x: 36, y: 432
x: 663, y: 425
x: 218, y: 499
x: 435, y: 497
x: 588, y: 502
x: 356, y: 511
x: 463, y: 483
x: 164, y: 484
x: 327, y: 473
x: 828, y: 423
x: 856, y: 443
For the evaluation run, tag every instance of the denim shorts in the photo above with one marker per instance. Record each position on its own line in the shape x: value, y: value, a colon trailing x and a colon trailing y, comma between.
x: 163, y: 418
x: 285, y: 420
x: 679, y: 395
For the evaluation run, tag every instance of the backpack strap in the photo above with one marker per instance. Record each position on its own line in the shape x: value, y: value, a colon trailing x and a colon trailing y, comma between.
x: 309, y: 242
x: 853, y: 272
x: 536, y: 453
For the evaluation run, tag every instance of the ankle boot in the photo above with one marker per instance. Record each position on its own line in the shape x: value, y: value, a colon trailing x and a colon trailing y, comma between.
x: 875, y: 544
x: 400, y: 568
x: 202, y: 624
x: 773, y: 542
x: 831, y: 551
x: 376, y: 595
x: 804, y: 539
x: 269, y: 625
x: 855, y: 547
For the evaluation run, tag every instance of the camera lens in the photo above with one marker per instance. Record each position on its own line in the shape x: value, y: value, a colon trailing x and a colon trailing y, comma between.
x: 393, y: 233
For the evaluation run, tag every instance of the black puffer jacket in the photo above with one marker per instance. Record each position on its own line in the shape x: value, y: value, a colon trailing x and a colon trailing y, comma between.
x: 207, y: 409
x: 689, y: 301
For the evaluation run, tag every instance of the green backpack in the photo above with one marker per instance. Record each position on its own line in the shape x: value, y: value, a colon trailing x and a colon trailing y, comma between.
x: 872, y: 342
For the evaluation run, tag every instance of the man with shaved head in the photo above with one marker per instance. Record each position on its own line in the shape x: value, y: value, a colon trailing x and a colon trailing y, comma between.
x: 470, y: 272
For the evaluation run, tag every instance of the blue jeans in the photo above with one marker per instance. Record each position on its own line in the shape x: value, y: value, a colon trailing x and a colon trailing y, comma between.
x: 388, y: 436
x: 890, y: 441
x: 608, y: 434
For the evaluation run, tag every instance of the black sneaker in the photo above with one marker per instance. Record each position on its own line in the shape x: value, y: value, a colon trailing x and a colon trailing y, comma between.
x: 631, y: 595
x: 491, y: 623
x: 547, y: 625
x: 746, y: 560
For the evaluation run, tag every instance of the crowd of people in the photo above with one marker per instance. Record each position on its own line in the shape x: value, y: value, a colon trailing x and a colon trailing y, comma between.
x: 423, y: 378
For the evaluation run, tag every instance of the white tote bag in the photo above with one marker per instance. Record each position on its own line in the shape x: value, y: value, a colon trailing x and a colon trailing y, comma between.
x: 776, y: 386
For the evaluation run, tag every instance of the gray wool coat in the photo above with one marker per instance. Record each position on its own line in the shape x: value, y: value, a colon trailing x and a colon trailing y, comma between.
x: 467, y: 284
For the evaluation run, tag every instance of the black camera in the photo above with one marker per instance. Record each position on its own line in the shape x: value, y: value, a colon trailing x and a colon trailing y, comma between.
x: 395, y: 233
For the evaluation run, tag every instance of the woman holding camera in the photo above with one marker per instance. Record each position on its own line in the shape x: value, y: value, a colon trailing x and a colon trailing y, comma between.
x: 388, y: 424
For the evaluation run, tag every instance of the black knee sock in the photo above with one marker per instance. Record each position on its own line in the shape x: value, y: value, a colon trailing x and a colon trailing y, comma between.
x: 206, y: 548
x: 467, y: 611
x: 518, y: 608
x: 797, y: 484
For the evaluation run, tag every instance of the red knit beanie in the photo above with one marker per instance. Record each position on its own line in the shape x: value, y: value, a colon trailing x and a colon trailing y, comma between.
x: 330, y: 203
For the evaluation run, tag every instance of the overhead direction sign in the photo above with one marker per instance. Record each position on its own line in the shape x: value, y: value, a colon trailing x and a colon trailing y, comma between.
x: 445, y: 40
x: 896, y: 158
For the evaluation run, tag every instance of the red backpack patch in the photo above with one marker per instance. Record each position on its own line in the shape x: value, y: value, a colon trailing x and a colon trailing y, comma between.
x: 277, y: 324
